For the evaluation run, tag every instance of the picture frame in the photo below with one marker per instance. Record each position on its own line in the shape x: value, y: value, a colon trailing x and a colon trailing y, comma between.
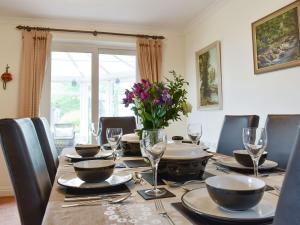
x: 275, y: 37
x: 209, y: 77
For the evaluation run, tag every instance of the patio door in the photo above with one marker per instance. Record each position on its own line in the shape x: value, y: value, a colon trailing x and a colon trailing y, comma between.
x: 87, y: 83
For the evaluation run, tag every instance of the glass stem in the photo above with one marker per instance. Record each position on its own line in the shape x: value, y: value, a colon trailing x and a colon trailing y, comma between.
x: 155, y: 176
x: 255, y: 166
x: 114, y: 154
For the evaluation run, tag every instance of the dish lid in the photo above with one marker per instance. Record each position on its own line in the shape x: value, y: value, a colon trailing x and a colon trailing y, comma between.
x: 184, y: 151
x: 131, y: 138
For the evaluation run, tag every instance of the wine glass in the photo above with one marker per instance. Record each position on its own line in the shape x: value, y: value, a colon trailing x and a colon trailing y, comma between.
x: 95, y: 133
x: 255, y: 141
x: 194, y: 131
x: 142, y: 145
x: 155, y: 143
x: 113, y: 136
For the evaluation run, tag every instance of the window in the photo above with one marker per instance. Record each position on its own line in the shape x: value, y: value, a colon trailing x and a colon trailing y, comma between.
x: 88, y: 83
x: 115, y: 76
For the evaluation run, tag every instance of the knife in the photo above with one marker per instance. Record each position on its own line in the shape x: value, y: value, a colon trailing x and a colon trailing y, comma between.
x: 95, y: 197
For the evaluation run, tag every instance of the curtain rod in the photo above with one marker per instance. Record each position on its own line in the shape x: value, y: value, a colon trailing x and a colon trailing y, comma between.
x: 95, y: 33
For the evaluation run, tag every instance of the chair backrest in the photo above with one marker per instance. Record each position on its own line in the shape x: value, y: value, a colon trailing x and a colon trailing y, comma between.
x: 47, y: 144
x: 287, y: 212
x: 128, y: 125
x: 27, y: 168
x: 231, y: 134
x: 281, y: 131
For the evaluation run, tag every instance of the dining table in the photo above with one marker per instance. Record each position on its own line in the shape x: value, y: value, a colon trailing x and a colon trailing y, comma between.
x: 135, y: 210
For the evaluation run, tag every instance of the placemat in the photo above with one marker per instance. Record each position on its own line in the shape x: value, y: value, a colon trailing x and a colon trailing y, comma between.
x: 149, y: 178
x: 200, y: 220
x: 136, y: 163
x: 168, y: 194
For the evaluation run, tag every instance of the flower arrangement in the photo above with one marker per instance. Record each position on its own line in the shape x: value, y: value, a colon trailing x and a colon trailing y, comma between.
x: 156, y: 104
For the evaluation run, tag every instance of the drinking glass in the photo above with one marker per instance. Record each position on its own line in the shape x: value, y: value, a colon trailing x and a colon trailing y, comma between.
x: 255, y: 141
x: 155, y: 143
x: 194, y: 131
x: 113, y: 136
x: 142, y: 145
x: 95, y: 133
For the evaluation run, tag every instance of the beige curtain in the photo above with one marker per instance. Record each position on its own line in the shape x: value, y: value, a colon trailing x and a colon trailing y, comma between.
x: 35, y: 51
x: 149, y: 56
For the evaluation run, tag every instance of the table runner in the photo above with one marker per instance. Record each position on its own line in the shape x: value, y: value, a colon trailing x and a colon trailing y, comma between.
x: 139, y: 211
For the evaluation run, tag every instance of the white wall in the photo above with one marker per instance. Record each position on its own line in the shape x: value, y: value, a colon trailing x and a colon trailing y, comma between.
x: 10, y: 52
x: 243, y: 92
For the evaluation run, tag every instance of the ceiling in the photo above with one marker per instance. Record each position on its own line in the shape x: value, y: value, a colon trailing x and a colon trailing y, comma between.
x: 156, y: 13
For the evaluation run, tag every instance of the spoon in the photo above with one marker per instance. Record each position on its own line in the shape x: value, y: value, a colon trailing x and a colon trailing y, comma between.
x: 96, y: 202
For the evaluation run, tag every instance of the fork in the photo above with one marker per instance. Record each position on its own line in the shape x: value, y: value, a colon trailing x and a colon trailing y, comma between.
x: 161, y: 210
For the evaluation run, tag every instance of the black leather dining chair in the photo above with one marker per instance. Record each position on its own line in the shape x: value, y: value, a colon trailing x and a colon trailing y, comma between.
x: 281, y: 132
x: 47, y: 144
x: 27, y: 168
x: 231, y: 134
x: 128, y: 124
x: 287, y: 211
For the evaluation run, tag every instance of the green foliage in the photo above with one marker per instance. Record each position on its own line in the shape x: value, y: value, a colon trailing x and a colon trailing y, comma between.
x: 68, y: 105
x: 277, y: 28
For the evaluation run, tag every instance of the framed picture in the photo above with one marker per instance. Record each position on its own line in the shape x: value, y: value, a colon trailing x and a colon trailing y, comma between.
x: 276, y: 42
x: 209, y: 81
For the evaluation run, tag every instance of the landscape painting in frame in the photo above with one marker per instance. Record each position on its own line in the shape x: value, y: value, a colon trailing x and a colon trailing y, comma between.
x: 276, y: 42
x: 209, y: 81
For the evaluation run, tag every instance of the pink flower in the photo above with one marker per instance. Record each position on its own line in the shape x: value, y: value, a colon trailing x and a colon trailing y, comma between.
x: 146, y: 84
x: 144, y: 96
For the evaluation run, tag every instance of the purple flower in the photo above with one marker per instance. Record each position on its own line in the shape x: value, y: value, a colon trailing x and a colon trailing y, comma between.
x: 158, y: 91
x: 158, y: 102
x: 144, y: 95
x: 165, y: 91
x: 125, y: 102
x: 170, y: 102
x: 129, y: 98
x: 146, y: 84
x: 137, y: 88
x: 165, y: 95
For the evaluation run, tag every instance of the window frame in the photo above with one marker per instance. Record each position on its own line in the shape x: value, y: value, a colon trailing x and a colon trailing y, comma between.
x: 94, y: 50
